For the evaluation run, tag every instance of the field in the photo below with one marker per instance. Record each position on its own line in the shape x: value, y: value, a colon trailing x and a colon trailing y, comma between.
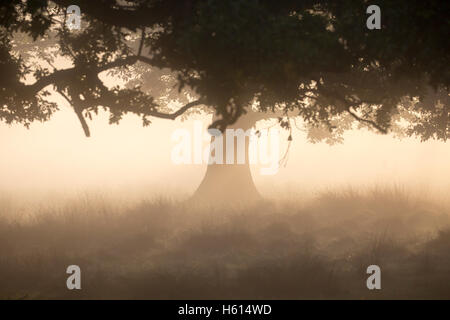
x: 170, y: 249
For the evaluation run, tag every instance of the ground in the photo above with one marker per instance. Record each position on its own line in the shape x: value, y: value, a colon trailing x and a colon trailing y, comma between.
x: 292, y: 249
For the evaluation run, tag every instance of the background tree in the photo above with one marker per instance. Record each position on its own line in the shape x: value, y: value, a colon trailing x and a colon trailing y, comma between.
x: 241, y: 59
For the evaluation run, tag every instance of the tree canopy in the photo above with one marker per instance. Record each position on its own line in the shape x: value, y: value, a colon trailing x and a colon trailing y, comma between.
x: 315, y: 59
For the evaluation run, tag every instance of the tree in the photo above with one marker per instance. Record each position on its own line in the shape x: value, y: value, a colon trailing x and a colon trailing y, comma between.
x: 241, y: 59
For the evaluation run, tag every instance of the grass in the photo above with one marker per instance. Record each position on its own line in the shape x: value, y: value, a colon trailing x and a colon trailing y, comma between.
x: 166, y: 249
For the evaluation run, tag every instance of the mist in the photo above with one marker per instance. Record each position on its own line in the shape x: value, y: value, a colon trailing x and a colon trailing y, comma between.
x: 106, y: 183
x: 129, y: 158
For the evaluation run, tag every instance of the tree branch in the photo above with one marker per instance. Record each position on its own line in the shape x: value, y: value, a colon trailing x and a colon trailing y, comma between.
x: 348, y: 108
x: 131, y: 17
x: 79, y: 114
x: 179, y: 112
x: 370, y: 122
x: 141, y: 44
x: 67, y: 74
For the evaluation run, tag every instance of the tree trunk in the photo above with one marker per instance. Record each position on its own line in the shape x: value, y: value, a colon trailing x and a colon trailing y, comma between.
x: 229, y: 183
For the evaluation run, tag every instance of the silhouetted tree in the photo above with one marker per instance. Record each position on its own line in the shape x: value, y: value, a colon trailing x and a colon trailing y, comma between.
x: 241, y: 59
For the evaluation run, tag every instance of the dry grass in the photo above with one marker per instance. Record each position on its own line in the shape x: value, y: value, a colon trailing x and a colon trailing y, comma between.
x: 164, y: 249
